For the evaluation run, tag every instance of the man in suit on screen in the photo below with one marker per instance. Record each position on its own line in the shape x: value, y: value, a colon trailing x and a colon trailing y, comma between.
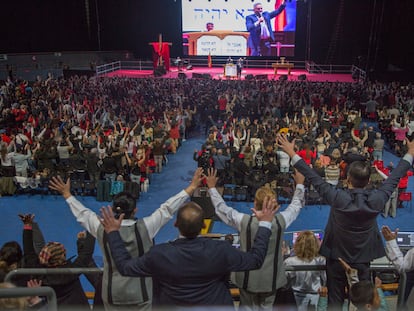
x: 261, y: 33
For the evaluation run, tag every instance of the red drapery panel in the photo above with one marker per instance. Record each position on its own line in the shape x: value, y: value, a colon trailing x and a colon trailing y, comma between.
x: 161, y: 54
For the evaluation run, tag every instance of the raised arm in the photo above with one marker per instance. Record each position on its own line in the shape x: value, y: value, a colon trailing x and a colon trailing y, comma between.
x: 403, y: 166
x: 394, y: 254
x: 298, y: 200
x: 227, y: 214
x: 324, y: 189
x: 84, y: 216
x: 166, y: 211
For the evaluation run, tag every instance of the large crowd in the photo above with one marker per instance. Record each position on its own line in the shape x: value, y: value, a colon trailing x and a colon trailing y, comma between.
x: 121, y: 130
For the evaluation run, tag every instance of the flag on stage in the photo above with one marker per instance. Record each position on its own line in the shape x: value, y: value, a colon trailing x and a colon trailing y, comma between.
x: 209, y: 61
x: 281, y: 19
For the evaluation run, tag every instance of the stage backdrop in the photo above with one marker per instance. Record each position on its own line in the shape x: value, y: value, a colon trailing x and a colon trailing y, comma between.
x: 227, y: 17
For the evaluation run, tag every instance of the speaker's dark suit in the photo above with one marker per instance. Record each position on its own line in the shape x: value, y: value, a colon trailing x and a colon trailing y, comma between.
x: 352, y: 232
x: 190, y: 271
x: 254, y: 42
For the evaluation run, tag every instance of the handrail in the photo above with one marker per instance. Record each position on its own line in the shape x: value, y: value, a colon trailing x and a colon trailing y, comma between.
x: 49, y: 271
x: 358, y: 73
x: 106, y: 68
x: 376, y: 267
x: 32, y: 291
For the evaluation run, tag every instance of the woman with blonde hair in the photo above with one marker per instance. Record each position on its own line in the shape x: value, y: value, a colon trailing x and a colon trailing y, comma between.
x: 305, y: 284
x: 12, y: 303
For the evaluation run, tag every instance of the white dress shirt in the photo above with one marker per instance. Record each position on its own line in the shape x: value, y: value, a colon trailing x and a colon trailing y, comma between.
x: 90, y: 220
x: 394, y: 254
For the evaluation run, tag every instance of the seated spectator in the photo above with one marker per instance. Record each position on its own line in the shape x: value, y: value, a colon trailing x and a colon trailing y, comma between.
x: 305, y: 284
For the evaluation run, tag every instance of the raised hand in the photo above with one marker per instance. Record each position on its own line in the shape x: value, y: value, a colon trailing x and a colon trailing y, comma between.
x: 34, y: 283
x: 211, y: 178
x: 197, y: 177
x: 81, y: 235
x: 268, y: 211
x: 323, y: 291
x: 27, y: 219
x: 195, y: 181
x: 283, y: 142
x: 57, y: 183
x: 377, y: 282
x: 388, y: 234
x: 108, y: 220
x: 34, y: 300
x: 345, y: 265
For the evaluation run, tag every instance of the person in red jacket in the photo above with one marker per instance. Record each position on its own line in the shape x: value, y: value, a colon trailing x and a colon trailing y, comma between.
x: 307, y: 154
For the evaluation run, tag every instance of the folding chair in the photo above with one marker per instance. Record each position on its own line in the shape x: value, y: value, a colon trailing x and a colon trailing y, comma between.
x: 406, y: 197
x: 229, y: 192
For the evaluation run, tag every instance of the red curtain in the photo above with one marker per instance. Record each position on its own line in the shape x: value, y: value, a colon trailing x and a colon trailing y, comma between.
x: 280, y: 20
x: 161, y: 54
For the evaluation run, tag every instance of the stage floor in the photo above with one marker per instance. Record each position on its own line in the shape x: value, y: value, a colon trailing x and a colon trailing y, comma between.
x: 217, y: 73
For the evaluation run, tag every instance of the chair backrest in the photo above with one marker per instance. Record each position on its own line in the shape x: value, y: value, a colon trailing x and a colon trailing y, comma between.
x: 405, y: 196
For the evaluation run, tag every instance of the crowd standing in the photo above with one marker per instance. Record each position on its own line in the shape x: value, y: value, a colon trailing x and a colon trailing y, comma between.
x: 120, y: 130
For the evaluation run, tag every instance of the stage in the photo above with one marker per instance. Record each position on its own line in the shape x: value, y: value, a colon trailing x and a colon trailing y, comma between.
x: 218, y: 73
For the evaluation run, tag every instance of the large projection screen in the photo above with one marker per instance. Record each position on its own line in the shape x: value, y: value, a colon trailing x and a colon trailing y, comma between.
x: 218, y: 27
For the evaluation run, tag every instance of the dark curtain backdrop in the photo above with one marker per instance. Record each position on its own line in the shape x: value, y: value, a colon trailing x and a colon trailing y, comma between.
x: 56, y: 25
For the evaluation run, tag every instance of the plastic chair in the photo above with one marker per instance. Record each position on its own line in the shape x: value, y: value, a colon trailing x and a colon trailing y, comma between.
x: 406, y: 197
x: 229, y: 192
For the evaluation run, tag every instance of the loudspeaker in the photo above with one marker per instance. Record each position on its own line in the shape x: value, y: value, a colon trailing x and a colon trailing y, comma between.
x: 283, y: 78
x: 261, y: 77
x: 206, y: 76
x: 249, y: 77
x: 355, y: 75
x: 190, y: 67
x: 302, y: 77
x: 159, y: 71
x: 182, y: 75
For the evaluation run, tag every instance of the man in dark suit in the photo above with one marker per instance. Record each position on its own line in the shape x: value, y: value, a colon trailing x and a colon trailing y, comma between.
x: 261, y: 33
x: 191, y: 270
x: 352, y: 232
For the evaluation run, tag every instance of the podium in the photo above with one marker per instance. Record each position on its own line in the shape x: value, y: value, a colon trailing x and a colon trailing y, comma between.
x: 218, y: 42
x: 230, y: 70
x: 161, y: 54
